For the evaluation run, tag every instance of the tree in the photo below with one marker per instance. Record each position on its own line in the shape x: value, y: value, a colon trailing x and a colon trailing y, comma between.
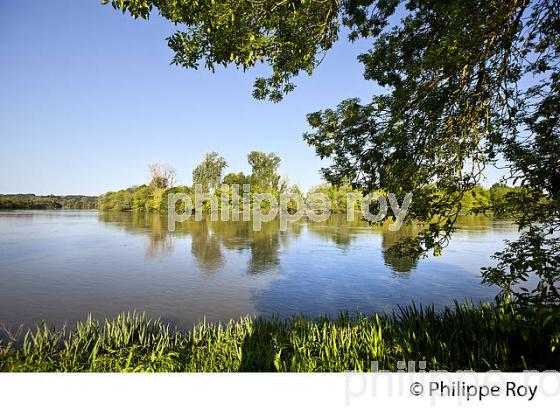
x: 236, y: 179
x: 338, y: 195
x: 161, y: 176
x: 141, y: 197
x: 290, y: 35
x: 179, y: 205
x: 209, y: 173
x: 264, y: 170
x: 467, y: 82
x: 476, y: 200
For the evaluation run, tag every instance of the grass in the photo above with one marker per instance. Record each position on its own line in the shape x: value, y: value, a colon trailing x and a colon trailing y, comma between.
x: 465, y: 337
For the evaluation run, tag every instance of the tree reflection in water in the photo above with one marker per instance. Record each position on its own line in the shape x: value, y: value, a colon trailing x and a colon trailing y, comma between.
x: 211, y: 240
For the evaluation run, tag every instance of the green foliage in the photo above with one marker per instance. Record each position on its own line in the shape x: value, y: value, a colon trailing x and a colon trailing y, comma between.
x: 236, y: 179
x: 265, y: 176
x: 179, y: 206
x: 140, y: 198
x: 288, y: 35
x: 155, y: 200
x: 265, y: 179
x: 122, y: 200
x: 30, y: 201
x: 498, y: 193
x: 476, y: 200
x: 533, y: 255
x: 209, y: 173
x: 464, y: 338
x: 338, y: 195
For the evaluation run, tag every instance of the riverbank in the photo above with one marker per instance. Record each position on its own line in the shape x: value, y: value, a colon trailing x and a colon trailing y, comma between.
x: 477, y: 338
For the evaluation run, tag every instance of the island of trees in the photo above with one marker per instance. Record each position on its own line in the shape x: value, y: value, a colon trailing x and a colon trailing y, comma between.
x: 264, y: 178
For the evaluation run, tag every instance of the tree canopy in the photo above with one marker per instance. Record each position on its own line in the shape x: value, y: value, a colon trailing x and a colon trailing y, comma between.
x: 162, y: 176
x: 469, y: 84
x: 265, y: 170
x: 209, y: 173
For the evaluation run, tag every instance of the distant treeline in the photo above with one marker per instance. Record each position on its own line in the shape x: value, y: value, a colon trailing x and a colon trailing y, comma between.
x: 263, y: 179
x: 31, y: 201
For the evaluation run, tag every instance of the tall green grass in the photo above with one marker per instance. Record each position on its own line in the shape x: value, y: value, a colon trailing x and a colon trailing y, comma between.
x: 466, y: 337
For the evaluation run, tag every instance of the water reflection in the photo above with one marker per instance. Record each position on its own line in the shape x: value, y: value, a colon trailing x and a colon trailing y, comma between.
x: 399, y: 264
x: 206, y: 247
x: 209, y: 239
x: 60, y: 265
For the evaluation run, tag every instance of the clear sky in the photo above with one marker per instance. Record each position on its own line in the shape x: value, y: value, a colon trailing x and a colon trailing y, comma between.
x: 89, y: 99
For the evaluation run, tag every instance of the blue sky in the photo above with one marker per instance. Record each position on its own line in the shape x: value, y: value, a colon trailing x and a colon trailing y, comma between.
x: 89, y: 99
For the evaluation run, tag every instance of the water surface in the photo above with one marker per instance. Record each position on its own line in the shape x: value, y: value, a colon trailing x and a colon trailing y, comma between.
x: 57, y: 266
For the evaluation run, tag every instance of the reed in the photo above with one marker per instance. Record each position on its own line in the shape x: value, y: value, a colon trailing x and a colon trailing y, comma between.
x: 465, y: 337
